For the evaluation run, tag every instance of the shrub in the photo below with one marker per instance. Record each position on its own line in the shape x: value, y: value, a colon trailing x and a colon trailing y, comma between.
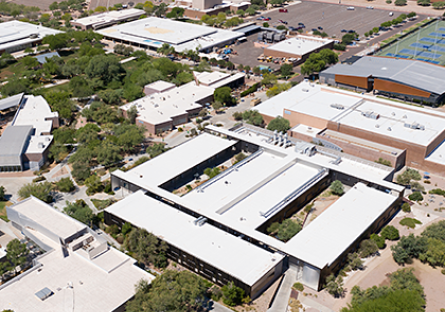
x: 237, y: 116
x: 216, y: 294
x: 39, y: 179
x: 339, y: 47
x: 383, y: 162
x: 337, y: 188
x: 380, y: 241
x: 406, y: 207
x: 112, y: 229
x: 368, y: 247
x: 126, y: 228
x: 442, y: 271
x: 251, y: 89
x: 416, y: 196
x: 437, y: 191
x: 65, y: 185
x: 298, y: 286
x: 232, y: 295
x: 390, y: 232
x: 410, y: 222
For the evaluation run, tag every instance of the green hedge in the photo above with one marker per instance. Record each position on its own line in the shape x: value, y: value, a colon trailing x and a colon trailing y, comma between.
x: 250, y: 90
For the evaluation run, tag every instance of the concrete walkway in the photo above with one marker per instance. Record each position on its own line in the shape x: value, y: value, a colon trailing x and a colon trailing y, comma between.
x: 306, y: 301
x: 281, y: 300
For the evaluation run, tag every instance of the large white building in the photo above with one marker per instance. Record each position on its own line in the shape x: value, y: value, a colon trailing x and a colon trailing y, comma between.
x: 153, y: 32
x: 77, y: 272
x: 97, y: 21
x: 277, y: 179
x: 24, y: 144
x: 16, y: 35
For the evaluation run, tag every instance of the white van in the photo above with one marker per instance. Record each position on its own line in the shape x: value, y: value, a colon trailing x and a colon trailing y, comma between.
x: 350, y: 8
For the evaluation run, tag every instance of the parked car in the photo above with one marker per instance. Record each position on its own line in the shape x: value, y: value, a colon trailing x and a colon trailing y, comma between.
x: 282, y: 10
x: 301, y: 24
x: 344, y: 31
x: 314, y: 29
x: 351, y: 8
x: 391, y: 13
x: 320, y: 28
x: 283, y: 22
x: 351, y: 31
x: 370, y: 7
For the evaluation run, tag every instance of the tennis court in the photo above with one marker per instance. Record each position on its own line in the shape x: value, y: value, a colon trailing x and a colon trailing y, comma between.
x: 425, y: 44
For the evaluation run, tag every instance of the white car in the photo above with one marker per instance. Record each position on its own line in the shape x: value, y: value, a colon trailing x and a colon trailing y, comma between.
x: 350, y: 8
x: 391, y: 13
x: 370, y: 7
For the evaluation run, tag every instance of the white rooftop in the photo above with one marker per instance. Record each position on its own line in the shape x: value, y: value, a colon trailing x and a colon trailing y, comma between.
x: 108, y: 17
x: 217, y: 79
x: 177, y: 160
x: 392, y: 122
x: 222, y: 250
x: 160, y: 85
x: 347, y: 107
x: 306, y: 130
x: 438, y: 155
x: 332, y: 232
x: 153, y: 31
x: 159, y: 108
x: 16, y: 33
x: 307, y: 98
x: 60, y: 224
x: 77, y: 283
x: 300, y: 45
x: 34, y: 112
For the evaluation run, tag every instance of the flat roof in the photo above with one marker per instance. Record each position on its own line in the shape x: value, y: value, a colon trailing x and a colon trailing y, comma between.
x: 160, y: 85
x: 206, y: 242
x: 12, y: 144
x: 34, y: 111
x: 332, y: 232
x: 108, y: 17
x: 177, y: 160
x: 438, y: 154
x: 11, y: 101
x: 153, y: 31
x: 300, y: 45
x: 49, y: 217
x: 75, y: 282
x: 306, y: 130
x: 160, y: 108
x: 15, y: 33
x: 307, y: 98
x: 414, y: 73
x: 392, y: 120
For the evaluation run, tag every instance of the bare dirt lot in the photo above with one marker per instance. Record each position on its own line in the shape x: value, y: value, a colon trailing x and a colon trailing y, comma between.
x: 42, y: 4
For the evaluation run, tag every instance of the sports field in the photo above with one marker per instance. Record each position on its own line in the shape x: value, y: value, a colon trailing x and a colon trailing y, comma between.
x: 426, y: 44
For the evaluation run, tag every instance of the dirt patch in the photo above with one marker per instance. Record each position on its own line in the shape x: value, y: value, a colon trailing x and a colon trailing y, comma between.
x: 61, y: 172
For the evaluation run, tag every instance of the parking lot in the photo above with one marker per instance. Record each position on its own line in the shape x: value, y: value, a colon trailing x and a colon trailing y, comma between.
x: 331, y: 17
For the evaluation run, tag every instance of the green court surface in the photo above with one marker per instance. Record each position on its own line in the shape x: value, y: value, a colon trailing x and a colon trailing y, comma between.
x: 425, y: 44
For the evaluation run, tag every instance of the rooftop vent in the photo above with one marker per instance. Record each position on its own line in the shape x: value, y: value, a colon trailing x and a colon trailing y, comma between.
x: 415, y: 126
x: 389, y: 129
x: 44, y: 293
x: 337, y: 106
x: 371, y: 114
x: 305, y: 90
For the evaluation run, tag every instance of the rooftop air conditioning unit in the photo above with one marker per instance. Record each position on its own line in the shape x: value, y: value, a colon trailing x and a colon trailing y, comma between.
x: 305, y: 90
x: 337, y: 106
x: 371, y: 114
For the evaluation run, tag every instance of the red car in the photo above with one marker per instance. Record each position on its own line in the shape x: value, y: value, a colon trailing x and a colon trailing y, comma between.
x: 282, y: 10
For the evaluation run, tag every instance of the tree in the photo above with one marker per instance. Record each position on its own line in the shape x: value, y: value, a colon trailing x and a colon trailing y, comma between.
x: 58, y: 41
x: 129, y: 136
x: 406, y: 207
x: 439, y: 5
x: 172, y: 291
x: 435, y: 253
x: 81, y: 171
x: 253, y: 117
x: 390, y: 232
x: 42, y: 191
x: 5, y: 267
x: 368, y: 247
x: 409, y: 247
x: 94, y: 185
x: 416, y: 196
x: 354, y: 261
x: 379, y: 240
x: 166, y: 49
x: 286, y: 69
x: 105, y: 67
x: 54, y: 6
x: 224, y: 95
x: 80, y: 211
x: 30, y: 62
x: 435, y: 230
x: 348, y: 38
x: 251, y: 11
x: 424, y: 2
x: 240, y: 12
x: 232, y: 295
x: 160, y: 10
x: 375, y: 30
x: 411, y: 14
x: 279, y: 123
x: 400, y: 2
x: 285, y: 230
x: 337, y: 188
x: 17, y: 253
x: 108, y: 154
x: 65, y: 185
x: 132, y: 113
x: 44, y: 18
x: 2, y: 193
x: 278, y: 88
x: 329, y: 56
x: 176, y: 13
x: 80, y: 87
x: 156, y: 149
x: 147, y: 247
x: 334, y: 285
x: 314, y: 63
x: 126, y: 228
x: 269, y: 79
